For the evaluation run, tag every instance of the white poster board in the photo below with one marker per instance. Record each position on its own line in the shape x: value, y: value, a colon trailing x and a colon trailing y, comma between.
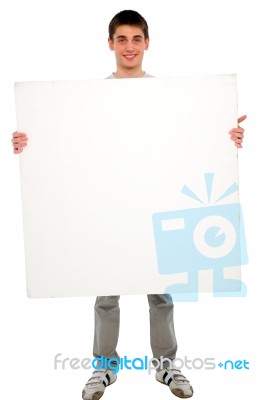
x: 102, y: 181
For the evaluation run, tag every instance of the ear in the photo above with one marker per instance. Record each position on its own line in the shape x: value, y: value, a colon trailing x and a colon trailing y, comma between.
x: 147, y: 42
x: 111, y: 44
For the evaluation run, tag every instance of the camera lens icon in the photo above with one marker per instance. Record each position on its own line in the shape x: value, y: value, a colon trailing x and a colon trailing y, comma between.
x: 199, y: 238
x: 214, y: 236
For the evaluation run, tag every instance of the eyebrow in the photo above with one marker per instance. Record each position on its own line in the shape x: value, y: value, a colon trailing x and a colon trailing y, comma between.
x: 125, y: 37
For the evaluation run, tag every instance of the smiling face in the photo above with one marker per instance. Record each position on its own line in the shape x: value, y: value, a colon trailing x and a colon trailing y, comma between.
x: 129, y: 45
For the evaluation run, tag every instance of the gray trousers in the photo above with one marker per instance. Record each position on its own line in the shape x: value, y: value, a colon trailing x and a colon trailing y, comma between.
x: 162, y: 333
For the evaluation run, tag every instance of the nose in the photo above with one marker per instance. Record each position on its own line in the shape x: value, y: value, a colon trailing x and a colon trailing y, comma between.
x: 129, y: 47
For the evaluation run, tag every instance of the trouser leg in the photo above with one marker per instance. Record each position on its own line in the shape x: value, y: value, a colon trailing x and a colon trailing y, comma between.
x: 162, y: 332
x: 106, y: 327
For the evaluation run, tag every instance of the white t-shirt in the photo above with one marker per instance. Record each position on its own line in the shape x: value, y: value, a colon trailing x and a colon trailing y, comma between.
x: 144, y: 76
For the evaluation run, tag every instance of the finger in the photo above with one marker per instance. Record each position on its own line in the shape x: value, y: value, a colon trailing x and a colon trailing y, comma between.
x: 238, y: 135
x: 238, y: 143
x: 237, y: 139
x: 17, y: 150
x: 237, y: 131
x: 19, y: 134
x: 19, y: 147
x: 240, y: 119
x: 19, y: 139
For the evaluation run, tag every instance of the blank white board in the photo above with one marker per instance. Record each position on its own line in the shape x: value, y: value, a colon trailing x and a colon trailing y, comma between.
x: 105, y: 162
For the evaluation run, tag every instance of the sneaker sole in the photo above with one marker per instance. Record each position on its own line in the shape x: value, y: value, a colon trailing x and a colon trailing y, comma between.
x: 95, y: 396
x: 178, y: 392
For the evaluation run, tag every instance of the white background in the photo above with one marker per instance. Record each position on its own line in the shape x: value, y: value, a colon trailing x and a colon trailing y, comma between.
x: 63, y: 39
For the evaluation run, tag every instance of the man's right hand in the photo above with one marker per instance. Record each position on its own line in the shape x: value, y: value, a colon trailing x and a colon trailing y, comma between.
x: 19, y: 141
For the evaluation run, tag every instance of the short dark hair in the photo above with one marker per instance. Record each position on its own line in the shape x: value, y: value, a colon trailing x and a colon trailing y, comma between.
x: 128, y: 17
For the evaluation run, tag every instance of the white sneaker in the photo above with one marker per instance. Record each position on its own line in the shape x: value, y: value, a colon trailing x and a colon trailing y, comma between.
x: 95, y: 387
x: 178, y: 383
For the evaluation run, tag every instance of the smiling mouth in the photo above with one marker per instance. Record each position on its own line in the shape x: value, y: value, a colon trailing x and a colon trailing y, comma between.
x: 130, y: 57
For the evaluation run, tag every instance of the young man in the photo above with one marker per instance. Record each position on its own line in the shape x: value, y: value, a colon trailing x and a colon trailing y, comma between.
x: 129, y: 38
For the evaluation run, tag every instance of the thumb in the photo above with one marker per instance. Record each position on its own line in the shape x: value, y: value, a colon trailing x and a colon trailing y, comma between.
x: 241, y: 119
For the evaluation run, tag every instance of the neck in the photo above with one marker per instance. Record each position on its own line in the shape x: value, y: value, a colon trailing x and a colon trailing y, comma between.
x: 129, y: 73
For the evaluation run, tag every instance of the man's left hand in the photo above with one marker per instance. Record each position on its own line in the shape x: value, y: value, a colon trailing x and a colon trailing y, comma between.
x: 237, y: 134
